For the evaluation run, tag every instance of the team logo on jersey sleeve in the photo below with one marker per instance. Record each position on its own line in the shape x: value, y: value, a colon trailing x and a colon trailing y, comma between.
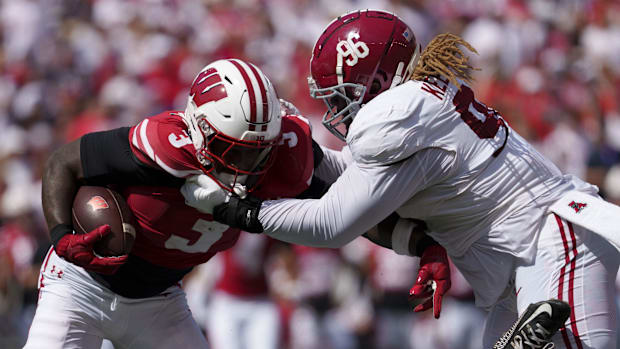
x: 577, y: 206
x: 97, y: 203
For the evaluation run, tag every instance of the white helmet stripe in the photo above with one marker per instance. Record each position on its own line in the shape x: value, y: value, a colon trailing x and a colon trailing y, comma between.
x: 251, y: 94
x: 263, y: 94
x: 256, y: 91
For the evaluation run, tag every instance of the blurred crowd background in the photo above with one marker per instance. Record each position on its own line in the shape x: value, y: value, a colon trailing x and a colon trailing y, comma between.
x: 550, y: 67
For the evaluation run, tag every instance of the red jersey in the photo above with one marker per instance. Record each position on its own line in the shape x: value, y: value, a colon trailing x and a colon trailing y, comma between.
x: 173, y: 235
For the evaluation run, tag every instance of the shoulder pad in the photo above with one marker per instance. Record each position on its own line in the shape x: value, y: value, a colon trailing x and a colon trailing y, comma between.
x: 293, y: 168
x: 388, y: 129
x: 163, y: 140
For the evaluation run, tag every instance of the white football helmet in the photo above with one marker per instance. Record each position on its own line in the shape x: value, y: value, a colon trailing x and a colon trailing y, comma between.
x: 233, y: 117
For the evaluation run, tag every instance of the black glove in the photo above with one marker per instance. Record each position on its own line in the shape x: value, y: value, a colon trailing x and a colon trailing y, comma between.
x: 240, y: 213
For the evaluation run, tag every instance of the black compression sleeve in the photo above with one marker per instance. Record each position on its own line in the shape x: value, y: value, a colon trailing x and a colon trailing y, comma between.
x: 425, y: 241
x: 377, y: 241
x: 107, y: 159
x: 317, y: 154
x: 317, y: 188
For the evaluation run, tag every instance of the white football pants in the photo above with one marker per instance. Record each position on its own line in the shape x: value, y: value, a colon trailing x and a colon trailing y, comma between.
x: 74, y: 311
x: 243, y: 323
x: 572, y: 264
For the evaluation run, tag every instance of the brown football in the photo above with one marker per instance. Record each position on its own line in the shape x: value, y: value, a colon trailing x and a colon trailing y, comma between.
x: 96, y: 206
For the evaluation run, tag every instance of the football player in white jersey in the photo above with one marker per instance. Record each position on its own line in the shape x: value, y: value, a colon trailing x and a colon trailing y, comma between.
x: 421, y: 145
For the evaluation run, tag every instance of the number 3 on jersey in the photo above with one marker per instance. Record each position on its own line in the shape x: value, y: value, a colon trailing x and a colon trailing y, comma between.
x: 210, y: 232
x: 483, y: 120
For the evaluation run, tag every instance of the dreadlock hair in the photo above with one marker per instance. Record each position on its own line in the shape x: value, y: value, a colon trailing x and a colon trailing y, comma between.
x: 443, y: 57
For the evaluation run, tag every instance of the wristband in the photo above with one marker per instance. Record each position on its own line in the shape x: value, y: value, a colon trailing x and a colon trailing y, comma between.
x: 59, y: 231
x: 401, y: 236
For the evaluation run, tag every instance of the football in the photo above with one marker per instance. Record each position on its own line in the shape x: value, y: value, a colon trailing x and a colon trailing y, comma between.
x: 96, y: 206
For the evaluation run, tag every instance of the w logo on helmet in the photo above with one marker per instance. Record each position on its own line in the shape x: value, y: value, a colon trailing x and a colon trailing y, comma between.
x: 208, y: 87
x: 577, y: 206
x: 97, y: 203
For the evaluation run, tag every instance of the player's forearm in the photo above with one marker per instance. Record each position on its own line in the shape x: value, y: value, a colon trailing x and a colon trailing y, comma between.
x: 60, y: 183
x: 362, y: 197
x: 332, y: 221
x: 308, y: 222
x: 359, y: 200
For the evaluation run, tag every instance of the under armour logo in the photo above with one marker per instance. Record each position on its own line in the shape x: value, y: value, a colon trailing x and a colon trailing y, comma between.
x: 577, y: 206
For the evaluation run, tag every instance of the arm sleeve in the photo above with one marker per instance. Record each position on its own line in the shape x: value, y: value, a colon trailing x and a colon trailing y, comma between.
x: 333, y: 164
x: 107, y: 159
x: 362, y: 197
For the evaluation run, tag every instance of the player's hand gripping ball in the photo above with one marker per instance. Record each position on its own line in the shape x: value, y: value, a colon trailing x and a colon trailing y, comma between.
x: 102, y: 233
x: 94, y: 207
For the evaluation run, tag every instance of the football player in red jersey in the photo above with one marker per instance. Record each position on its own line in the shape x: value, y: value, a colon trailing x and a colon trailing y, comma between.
x: 233, y: 134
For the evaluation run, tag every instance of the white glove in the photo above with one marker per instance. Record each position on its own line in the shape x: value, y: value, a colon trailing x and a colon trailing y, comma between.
x: 203, y: 193
x: 288, y: 108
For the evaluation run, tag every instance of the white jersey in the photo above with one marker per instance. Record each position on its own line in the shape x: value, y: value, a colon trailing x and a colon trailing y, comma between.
x: 481, y: 190
x: 430, y: 151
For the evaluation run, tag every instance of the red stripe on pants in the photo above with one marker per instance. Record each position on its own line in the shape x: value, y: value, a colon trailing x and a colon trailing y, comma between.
x: 571, y: 290
x: 561, y: 282
x: 571, y: 280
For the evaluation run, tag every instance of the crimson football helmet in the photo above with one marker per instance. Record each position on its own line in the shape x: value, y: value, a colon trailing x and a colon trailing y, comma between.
x: 233, y: 117
x: 358, y: 56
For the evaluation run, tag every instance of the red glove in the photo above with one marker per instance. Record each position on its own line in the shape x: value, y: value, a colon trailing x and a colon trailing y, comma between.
x: 78, y: 249
x: 433, y: 279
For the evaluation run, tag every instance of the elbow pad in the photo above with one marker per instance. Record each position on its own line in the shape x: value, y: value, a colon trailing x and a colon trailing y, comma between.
x: 401, y: 236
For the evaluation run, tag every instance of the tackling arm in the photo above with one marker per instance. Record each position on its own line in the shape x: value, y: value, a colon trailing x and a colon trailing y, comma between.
x: 362, y: 197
